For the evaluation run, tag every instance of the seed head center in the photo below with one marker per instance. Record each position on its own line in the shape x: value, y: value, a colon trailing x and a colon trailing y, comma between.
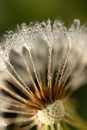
x: 52, y: 114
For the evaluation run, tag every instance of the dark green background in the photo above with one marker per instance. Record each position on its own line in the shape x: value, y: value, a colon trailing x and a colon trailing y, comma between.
x: 13, y: 12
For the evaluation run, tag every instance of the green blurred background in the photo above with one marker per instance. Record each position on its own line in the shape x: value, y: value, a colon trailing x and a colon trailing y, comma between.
x: 13, y: 12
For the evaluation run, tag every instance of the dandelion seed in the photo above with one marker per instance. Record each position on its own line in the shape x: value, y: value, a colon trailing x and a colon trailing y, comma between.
x: 43, y: 64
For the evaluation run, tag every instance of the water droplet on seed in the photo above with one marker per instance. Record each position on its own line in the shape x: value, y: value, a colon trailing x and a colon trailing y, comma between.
x: 76, y: 23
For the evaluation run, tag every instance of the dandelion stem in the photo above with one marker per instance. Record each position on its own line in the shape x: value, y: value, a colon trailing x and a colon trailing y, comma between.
x: 30, y: 76
x: 18, y: 84
x: 50, y: 73
x: 18, y: 76
x: 34, y: 69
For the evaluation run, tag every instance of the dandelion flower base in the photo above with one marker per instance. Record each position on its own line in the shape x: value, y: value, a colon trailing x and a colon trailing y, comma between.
x: 52, y: 114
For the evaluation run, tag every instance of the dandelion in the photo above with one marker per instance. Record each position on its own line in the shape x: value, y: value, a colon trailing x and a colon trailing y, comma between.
x: 41, y: 65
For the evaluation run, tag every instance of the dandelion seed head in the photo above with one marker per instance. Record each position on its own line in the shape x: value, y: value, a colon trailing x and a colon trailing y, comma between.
x: 44, y: 64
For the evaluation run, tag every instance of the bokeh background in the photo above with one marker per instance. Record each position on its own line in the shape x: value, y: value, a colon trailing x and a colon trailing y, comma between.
x: 13, y: 12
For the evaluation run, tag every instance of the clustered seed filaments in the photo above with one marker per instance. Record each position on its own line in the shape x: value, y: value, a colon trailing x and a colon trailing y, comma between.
x: 42, y: 66
x: 52, y: 114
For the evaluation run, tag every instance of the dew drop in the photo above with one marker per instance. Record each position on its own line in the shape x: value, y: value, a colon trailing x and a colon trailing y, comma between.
x: 57, y: 25
x: 76, y: 23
